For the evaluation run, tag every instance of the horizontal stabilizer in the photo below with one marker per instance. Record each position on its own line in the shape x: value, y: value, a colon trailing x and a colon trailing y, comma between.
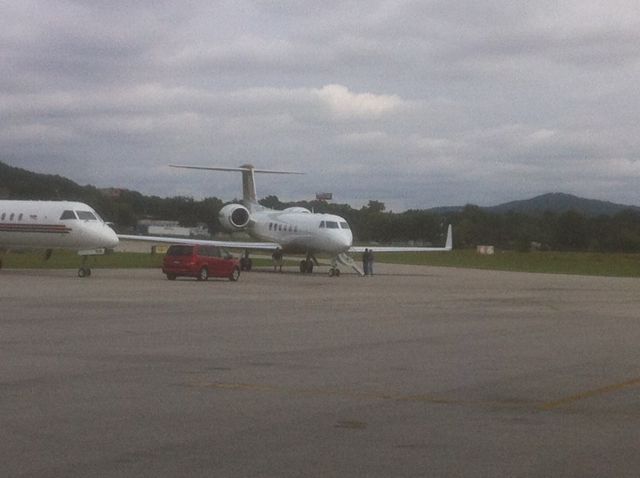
x: 248, y: 182
x: 241, y: 169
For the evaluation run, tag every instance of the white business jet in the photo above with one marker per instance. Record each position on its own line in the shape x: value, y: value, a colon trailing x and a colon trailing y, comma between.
x: 294, y: 230
x: 53, y: 225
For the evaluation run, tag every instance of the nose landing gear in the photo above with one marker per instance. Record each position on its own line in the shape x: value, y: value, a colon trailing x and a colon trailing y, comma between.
x: 84, y: 271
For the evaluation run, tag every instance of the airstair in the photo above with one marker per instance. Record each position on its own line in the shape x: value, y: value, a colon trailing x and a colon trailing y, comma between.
x: 348, y: 261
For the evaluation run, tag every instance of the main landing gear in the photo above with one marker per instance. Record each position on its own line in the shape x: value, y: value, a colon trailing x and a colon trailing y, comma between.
x: 306, y: 265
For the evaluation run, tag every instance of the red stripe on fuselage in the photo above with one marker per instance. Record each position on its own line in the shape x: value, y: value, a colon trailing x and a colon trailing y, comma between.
x: 37, y: 228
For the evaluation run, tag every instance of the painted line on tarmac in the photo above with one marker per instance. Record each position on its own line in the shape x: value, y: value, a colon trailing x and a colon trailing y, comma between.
x: 570, y: 400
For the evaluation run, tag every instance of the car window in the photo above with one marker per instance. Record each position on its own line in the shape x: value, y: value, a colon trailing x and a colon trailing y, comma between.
x: 209, y: 251
x: 180, y: 251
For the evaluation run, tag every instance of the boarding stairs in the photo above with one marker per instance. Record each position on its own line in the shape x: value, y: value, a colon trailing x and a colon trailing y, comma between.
x: 348, y: 261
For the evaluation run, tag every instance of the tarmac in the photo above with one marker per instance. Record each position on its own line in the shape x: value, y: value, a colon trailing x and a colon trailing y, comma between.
x: 414, y: 372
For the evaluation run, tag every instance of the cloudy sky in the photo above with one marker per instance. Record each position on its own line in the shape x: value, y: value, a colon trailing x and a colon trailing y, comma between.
x: 414, y: 103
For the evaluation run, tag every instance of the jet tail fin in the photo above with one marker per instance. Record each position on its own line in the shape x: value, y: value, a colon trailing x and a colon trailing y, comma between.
x: 248, y: 180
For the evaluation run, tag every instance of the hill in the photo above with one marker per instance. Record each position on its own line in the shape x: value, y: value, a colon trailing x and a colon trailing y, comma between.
x: 560, y: 203
x: 17, y: 183
x: 557, y: 203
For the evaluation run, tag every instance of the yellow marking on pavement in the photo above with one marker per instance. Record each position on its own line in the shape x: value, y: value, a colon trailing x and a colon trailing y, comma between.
x: 316, y: 392
x: 357, y: 395
x: 616, y: 387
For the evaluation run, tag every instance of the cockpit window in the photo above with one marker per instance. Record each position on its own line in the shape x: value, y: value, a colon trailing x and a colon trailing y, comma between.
x: 322, y: 225
x: 344, y: 225
x: 332, y: 225
x: 86, y: 215
x: 68, y: 215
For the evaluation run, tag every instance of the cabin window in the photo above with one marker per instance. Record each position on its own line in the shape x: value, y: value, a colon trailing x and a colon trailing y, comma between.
x: 4, y: 214
x: 344, y: 225
x: 86, y: 215
x: 332, y: 225
x: 20, y: 217
x: 68, y: 215
x: 270, y: 226
x: 11, y: 217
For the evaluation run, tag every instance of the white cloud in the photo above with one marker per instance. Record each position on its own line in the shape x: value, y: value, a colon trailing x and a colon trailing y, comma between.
x: 345, y: 104
x: 418, y: 103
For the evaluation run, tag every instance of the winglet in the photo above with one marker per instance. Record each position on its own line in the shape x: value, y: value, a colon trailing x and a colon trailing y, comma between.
x: 449, y: 244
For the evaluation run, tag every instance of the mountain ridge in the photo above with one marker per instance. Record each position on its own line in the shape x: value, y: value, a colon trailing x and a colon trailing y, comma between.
x: 556, y: 202
x: 18, y: 183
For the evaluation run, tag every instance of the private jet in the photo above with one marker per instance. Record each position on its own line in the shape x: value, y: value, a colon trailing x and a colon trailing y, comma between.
x: 50, y: 225
x: 294, y: 230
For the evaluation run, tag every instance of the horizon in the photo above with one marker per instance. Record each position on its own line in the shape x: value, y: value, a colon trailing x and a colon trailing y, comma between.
x: 335, y: 202
x: 414, y: 103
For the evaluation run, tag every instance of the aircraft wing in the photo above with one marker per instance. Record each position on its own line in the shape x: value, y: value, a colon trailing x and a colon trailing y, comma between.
x: 263, y: 246
x: 447, y: 247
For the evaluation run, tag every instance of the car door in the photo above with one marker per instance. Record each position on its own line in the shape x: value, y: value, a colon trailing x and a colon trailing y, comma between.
x: 207, y: 255
x: 217, y: 264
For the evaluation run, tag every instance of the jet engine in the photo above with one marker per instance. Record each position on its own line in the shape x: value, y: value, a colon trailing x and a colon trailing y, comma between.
x: 234, y: 217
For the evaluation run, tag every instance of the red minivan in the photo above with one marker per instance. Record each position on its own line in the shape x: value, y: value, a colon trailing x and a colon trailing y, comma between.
x: 200, y: 262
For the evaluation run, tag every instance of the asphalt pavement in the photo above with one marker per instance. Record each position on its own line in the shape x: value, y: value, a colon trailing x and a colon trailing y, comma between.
x: 416, y: 371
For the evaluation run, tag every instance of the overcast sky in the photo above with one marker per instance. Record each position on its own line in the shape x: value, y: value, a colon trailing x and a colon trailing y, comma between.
x: 414, y: 103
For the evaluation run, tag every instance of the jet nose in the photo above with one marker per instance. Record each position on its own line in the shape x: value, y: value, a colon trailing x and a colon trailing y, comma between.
x: 111, y: 238
x: 344, y: 240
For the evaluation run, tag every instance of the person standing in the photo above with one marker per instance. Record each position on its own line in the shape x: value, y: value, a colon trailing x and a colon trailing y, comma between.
x: 277, y: 259
x: 370, y: 262
x: 365, y: 262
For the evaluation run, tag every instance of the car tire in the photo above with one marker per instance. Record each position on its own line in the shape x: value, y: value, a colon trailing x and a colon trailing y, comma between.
x: 171, y: 276
x: 203, y: 274
x: 235, y: 274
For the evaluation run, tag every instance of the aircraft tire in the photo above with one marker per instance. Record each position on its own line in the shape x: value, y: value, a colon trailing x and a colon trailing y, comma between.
x: 203, y: 274
x: 84, y: 272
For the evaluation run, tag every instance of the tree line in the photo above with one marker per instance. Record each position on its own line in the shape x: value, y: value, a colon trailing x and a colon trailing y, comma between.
x: 567, y: 231
x: 473, y: 226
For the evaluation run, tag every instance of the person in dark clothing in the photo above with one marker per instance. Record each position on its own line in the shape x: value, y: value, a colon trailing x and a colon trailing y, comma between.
x: 370, y: 262
x: 277, y: 259
x: 365, y: 262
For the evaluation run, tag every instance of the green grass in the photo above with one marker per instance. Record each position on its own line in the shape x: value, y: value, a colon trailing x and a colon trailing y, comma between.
x: 618, y: 265
x: 583, y: 263
x: 71, y: 260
